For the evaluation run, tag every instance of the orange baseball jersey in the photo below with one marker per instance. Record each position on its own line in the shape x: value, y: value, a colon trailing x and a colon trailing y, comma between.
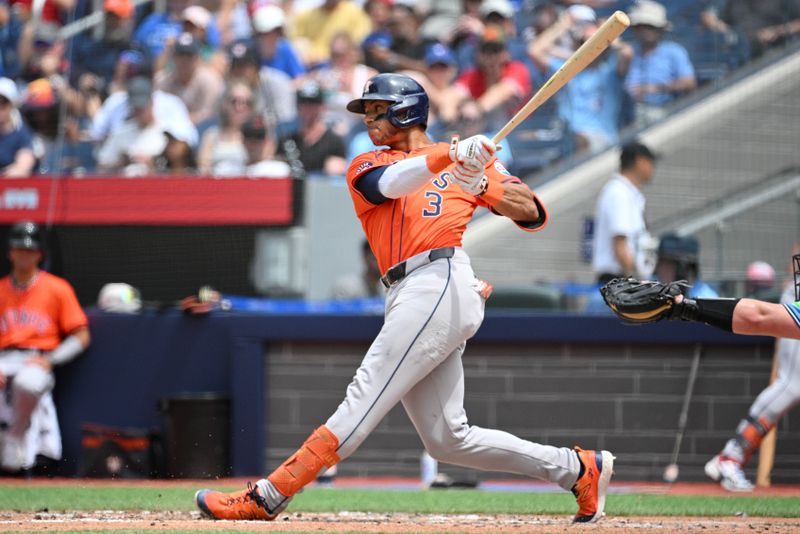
x: 435, y: 216
x: 41, y: 315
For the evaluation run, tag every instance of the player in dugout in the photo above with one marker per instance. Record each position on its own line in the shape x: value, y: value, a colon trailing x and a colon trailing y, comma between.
x: 414, y: 201
x: 42, y: 325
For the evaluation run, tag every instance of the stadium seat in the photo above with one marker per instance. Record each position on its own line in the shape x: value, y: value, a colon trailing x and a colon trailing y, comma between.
x: 533, y: 297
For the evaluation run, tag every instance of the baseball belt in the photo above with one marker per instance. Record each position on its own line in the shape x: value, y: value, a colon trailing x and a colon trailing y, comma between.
x: 404, y: 268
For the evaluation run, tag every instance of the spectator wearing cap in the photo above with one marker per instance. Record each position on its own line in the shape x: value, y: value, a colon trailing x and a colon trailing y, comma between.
x: 168, y: 108
x: 342, y: 80
x: 95, y: 59
x: 40, y: 52
x: 440, y: 72
x: 760, y: 282
x: 499, y: 13
x: 313, y: 29
x: 16, y: 141
x: 261, y: 151
x: 320, y: 149
x: 497, y: 86
x: 273, y: 89
x: 41, y: 113
x: 679, y: 259
x: 160, y: 28
x: 591, y: 102
x: 661, y: 70
x: 622, y: 245
x: 136, y: 144
x: 146, y: 142
x: 581, y: 17
x: 198, y: 85
x: 405, y: 49
x: 196, y: 21
x: 222, y: 151
x: 274, y: 49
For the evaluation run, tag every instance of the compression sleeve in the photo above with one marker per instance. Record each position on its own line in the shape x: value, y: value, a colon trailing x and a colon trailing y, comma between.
x: 404, y: 177
x: 66, y: 351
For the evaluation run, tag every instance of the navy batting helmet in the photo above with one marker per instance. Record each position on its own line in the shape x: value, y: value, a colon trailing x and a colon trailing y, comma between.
x: 410, y: 101
x: 25, y: 234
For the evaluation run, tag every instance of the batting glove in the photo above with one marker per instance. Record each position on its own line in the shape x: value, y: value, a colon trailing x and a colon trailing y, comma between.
x: 471, y: 179
x: 475, y: 151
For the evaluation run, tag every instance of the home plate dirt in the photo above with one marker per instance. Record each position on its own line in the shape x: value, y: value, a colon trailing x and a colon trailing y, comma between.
x: 384, y: 522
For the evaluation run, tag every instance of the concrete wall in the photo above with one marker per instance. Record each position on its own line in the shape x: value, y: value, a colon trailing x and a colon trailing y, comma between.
x: 625, y: 398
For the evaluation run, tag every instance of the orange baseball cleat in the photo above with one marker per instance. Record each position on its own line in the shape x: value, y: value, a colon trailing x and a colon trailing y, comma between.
x: 591, y: 488
x: 245, y: 504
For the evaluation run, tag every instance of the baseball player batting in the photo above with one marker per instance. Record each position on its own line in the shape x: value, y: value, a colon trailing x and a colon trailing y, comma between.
x: 414, y: 201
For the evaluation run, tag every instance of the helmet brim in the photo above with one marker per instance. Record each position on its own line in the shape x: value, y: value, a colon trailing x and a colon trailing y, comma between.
x: 357, y: 105
x: 24, y: 242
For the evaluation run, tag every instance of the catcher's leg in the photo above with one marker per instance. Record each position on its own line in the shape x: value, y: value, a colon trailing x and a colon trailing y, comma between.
x: 770, y: 405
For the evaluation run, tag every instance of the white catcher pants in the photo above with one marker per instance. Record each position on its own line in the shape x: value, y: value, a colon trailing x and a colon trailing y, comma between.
x: 416, y: 360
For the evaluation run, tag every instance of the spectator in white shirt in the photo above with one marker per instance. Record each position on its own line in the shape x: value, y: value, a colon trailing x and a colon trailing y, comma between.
x: 622, y: 245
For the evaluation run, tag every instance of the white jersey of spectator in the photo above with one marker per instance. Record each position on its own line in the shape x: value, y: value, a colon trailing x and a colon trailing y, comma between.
x: 169, y: 110
x: 620, y: 212
x: 132, y: 141
x: 269, y: 169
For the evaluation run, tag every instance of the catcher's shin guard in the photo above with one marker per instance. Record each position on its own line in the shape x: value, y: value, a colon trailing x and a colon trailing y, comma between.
x: 318, y: 451
x: 750, y: 434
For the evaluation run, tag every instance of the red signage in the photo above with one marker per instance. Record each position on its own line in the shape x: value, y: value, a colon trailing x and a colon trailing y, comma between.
x: 179, y: 201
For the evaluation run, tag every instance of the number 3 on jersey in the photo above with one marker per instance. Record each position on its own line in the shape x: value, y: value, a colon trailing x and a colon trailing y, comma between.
x: 434, y: 208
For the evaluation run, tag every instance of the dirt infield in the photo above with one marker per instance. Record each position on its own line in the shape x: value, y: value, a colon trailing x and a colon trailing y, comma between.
x: 389, y: 523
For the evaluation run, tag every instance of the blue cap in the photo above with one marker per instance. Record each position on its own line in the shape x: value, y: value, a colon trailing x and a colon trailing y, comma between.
x: 439, y: 53
x: 381, y: 39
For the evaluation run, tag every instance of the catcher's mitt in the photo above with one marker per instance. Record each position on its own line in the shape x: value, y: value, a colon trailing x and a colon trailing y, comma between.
x: 639, y: 302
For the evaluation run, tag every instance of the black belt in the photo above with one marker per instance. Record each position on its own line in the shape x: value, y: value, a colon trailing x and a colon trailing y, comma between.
x: 400, y: 270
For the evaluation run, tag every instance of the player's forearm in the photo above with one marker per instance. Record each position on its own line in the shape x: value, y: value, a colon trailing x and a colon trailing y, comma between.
x: 71, y: 347
x: 497, y: 95
x: 623, y: 255
x: 517, y: 203
x: 681, y: 85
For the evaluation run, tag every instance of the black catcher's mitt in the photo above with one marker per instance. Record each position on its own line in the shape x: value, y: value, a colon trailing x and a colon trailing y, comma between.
x: 639, y: 302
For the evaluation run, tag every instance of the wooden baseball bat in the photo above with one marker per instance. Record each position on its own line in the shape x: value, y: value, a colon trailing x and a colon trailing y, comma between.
x: 579, y: 60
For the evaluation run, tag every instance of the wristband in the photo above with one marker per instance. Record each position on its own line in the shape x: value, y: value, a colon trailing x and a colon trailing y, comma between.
x: 492, y: 193
x: 438, y: 159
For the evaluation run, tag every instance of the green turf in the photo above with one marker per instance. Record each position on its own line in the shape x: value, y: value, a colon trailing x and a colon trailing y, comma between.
x: 33, y: 498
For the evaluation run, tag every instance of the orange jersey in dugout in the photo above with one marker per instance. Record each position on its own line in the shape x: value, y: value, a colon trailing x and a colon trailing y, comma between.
x: 435, y: 216
x: 39, y: 316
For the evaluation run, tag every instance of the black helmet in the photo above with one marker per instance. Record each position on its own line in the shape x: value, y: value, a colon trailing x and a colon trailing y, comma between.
x: 25, y: 234
x: 410, y: 99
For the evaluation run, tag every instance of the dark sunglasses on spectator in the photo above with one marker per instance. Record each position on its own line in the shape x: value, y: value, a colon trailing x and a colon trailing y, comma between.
x: 241, y: 101
x: 4, y: 101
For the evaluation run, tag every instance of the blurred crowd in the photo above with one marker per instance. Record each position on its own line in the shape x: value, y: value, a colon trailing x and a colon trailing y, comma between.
x: 258, y: 88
